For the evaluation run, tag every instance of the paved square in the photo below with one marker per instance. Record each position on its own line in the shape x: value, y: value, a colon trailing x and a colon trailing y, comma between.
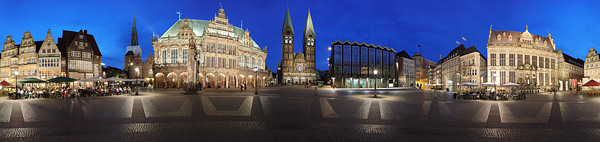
x: 47, y: 110
x: 404, y: 110
x: 464, y: 111
x: 345, y: 108
x: 227, y: 105
x: 524, y: 112
x: 167, y: 106
x: 580, y: 112
x: 107, y: 107
x: 5, y: 110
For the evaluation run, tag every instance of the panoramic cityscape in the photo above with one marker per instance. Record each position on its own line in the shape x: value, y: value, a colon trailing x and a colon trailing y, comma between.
x: 225, y: 71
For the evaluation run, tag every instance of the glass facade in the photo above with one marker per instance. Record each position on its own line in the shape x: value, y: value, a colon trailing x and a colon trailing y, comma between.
x: 353, y: 65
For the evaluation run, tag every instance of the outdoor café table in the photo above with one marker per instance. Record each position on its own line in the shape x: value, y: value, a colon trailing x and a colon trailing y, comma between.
x: 474, y: 95
x: 515, y: 96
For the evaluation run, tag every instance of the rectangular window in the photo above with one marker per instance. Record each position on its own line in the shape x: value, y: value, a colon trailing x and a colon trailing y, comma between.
x: 527, y: 59
x: 174, y: 55
x: 534, y: 61
x: 184, y: 55
x: 547, y: 61
x: 552, y: 63
x: 502, y: 77
x: 347, y: 60
x: 511, y: 59
x: 511, y: 77
x: 519, y: 59
x: 337, y: 59
x: 541, y: 61
x: 364, y: 61
x: 355, y: 60
x: 371, y: 61
x: 492, y: 59
x: 502, y: 59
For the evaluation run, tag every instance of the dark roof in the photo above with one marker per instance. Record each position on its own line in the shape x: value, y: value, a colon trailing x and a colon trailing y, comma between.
x: 454, y: 51
x: 67, y: 38
x: 403, y: 54
x: 470, y: 50
x: 577, y: 62
x: 94, y: 45
x: 129, y: 53
x: 38, y: 45
x: 62, y: 47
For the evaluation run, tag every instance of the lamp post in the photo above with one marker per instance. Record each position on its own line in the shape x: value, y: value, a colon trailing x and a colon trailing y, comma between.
x: 137, y: 73
x: 333, y: 83
x: 16, y: 78
x: 255, y: 69
x: 375, y: 90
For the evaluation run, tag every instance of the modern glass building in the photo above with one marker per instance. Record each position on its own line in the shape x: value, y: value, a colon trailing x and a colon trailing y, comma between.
x: 360, y: 65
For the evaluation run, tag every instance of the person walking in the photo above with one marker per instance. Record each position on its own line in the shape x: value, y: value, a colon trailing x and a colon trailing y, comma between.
x: 245, y: 87
x: 241, y: 87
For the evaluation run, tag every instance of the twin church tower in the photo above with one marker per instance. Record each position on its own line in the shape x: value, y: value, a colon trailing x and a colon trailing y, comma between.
x: 297, y: 68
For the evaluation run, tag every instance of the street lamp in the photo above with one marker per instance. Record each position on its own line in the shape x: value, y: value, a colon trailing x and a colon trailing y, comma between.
x: 16, y: 78
x: 255, y: 69
x: 137, y: 73
x: 375, y: 92
x: 333, y: 83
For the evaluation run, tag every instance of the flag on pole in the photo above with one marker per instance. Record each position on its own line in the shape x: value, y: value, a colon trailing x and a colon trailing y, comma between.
x: 465, y: 39
x: 457, y: 42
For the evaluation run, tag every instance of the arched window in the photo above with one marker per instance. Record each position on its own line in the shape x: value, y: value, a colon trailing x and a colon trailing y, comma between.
x: 509, y: 37
x: 499, y: 37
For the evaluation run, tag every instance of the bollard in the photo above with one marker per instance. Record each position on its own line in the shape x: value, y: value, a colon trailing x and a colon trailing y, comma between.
x: 434, y: 95
x: 316, y: 91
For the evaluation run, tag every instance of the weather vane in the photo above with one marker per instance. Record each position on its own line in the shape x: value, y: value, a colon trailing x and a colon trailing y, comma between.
x: 179, y: 13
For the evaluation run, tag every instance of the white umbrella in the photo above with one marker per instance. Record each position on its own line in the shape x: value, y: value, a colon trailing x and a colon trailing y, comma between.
x: 135, y: 80
x: 113, y: 79
x: 511, y: 84
x: 488, y: 84
x: 468, y: 84
x: 94, y: 79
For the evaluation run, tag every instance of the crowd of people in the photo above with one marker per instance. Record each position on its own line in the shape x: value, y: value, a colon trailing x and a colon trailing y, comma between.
x: 67, y: 92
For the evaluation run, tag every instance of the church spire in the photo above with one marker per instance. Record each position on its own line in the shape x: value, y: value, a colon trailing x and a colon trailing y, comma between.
x: 134, y: 41
x: 309, y: 29
x: 287, y: 22
x: 134, y: 38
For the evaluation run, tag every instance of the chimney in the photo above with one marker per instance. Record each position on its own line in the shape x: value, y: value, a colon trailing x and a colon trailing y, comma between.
x: 85, y: 32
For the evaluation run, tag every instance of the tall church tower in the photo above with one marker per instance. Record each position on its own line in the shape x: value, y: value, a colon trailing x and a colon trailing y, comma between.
x: 133, y: 54
x: 308, y: 44
x: 287, y: 37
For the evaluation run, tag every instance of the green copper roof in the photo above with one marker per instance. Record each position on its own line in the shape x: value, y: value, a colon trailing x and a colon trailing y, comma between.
x: 198, y: 27
x: 134, y: 38
x: 287, y: 22
x: 309, y: 25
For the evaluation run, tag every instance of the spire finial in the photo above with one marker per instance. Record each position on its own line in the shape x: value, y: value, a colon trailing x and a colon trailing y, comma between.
x: 221, y: 5
x: 241, y: 24
x: 526, y: 27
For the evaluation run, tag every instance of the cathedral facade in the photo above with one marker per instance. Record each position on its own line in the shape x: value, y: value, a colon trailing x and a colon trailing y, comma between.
x: 214, y: 52
x: 297, y: 68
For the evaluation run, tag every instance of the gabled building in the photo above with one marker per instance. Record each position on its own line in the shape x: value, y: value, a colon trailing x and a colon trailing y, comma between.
x: 405, y: 70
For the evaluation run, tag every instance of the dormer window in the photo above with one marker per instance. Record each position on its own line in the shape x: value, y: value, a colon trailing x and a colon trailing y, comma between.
x: 545, y: 43
x: 499, y: 37
x: 509, y: 37
x: 80, y: 36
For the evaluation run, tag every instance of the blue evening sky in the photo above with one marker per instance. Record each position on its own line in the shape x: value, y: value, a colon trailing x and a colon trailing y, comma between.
x: 398, y: 24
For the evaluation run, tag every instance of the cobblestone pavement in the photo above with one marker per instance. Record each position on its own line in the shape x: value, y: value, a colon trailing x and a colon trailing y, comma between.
x: 294, y: 113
